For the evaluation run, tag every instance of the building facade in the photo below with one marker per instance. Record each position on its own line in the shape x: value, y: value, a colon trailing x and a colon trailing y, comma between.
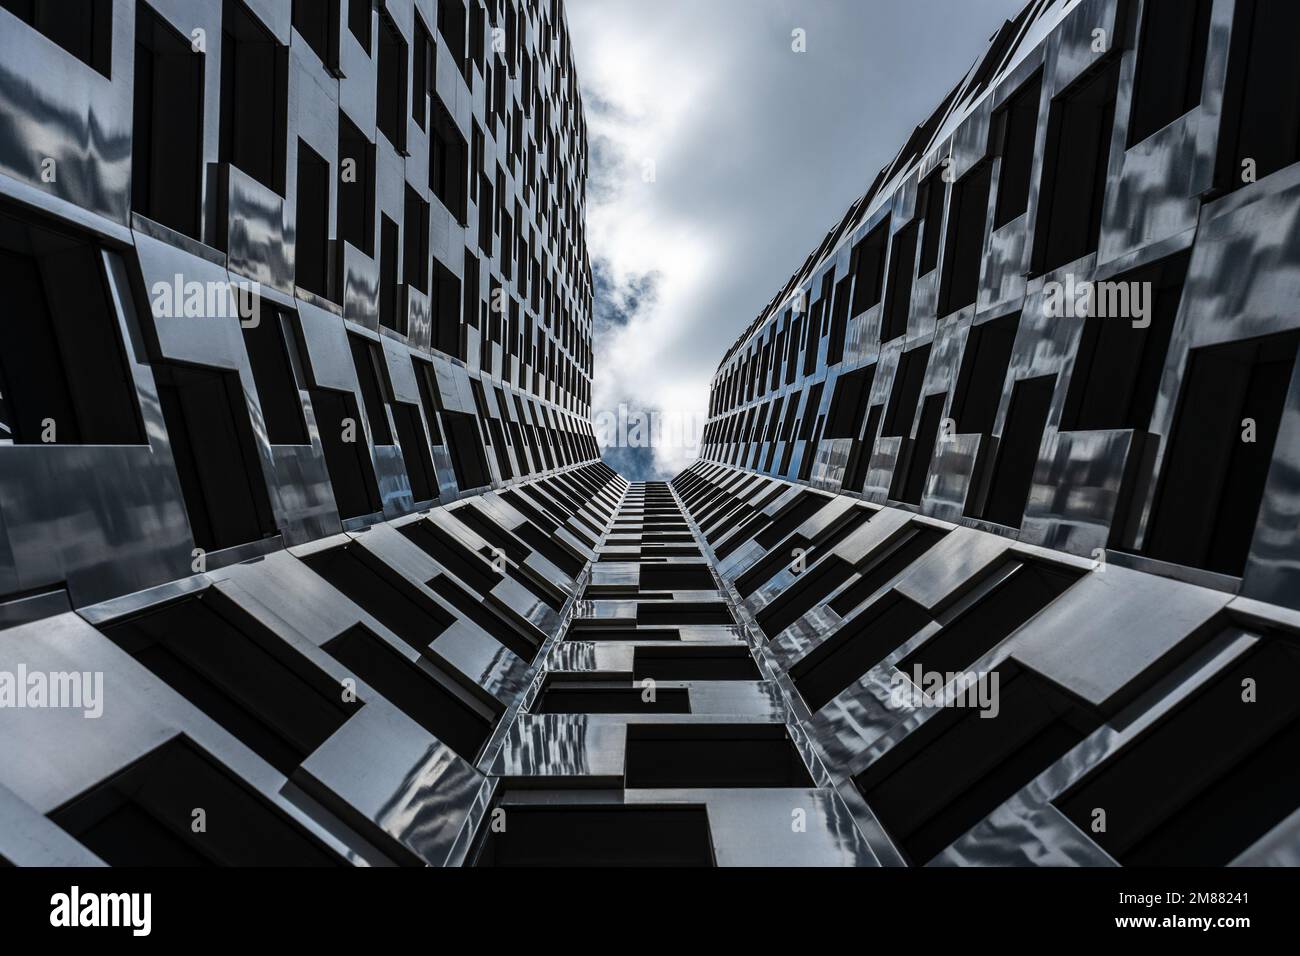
x: 307, y: 556
x: 281, y: 278
x: 1028, y: 416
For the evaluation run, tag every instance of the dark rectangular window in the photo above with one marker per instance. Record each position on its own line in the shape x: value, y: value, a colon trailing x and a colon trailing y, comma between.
x: 676, y: 577
x: 444, y: 299
x: 515, y: 633
x: 909, y: 476
x: 812, y: 403
x: 491, y: 532
x: 806, y: 592
x: 849, y: 403
x: 712, y: 755
x: 388, y: 273
x: 1013, y: 594
x: 693, y: 663
x: 466, y: 448
x: 413, y: 616
x: 961, y: 764
x: 508, y: 251
x: 447, y: 166
x: 317, y: 22
x: 451, y: 27
x: 347, y: 457
x: 822, y: 307
x: 82, y: 27
x: 455, y: 555
x: 670, y: 614
x: 277, y: 390
x: 422, y: 72
x: 984, y: 364
x: 1262, y: 69
x: 1213, y: 481
x: 427, y: 383
x: 964, y: 254
x: 216, y: 455
x: 789, y: 518
x: 898, y: 294
x: 143, y: 815
x: 167, y: 131
x: 568, y: 561
x: 884, y: 564
x: 777, y: 559
x: 1225, y: 772
x: 1118, y: 366
x: 415, y: 452
x: 929, y: 206
x: 855, y: 471
x: 603, y: 836
x: 1170, y: 63
x: 1073, y: 188
x: 905, y: 394
x: 477, y: 31
x: 429, y: 699
x: 486, y: 223
x: 390, y: 88
x: 368, y: 361
x: 471, y: 299
x: 861, y: 643
x: 64, y: 377
x: 359, y: 22
x: 812, y: 338
x: 254, y: 97
x: 869, y: 268
x: 225, y: 663
x: 356, y: 210
x: 792, y: 361
x: 1018, y: 448
x: 311, y: 224
x: 839, y: 323
x: 1016, y: 127
x: 415, y: 233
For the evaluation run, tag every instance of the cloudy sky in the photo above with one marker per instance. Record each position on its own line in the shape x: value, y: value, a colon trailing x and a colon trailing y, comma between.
x: 720, y: 157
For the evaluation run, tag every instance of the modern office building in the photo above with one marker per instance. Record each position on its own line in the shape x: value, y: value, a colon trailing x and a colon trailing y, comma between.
x: 307, y: 555
x: 286, y: 285
x: 1029, y: 412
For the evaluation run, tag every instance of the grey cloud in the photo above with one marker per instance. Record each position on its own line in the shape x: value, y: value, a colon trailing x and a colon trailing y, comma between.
x: 635, y: 464
x: 608, y: 170
x: 777, y: 144
x: 619, y: 299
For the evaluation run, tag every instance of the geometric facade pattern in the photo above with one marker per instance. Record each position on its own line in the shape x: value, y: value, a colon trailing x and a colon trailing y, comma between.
x: 947, y: 359
x: 296, y: 469
x: 281, y: 270
x: 974, y: 700
x: 1030, y: 410
x: 307, y: 556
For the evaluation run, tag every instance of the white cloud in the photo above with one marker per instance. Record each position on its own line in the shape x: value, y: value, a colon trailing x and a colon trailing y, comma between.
x: 642, y: 91
x: 756, y: 152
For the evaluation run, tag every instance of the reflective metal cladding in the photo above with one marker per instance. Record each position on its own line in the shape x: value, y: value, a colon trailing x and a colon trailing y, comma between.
x: 296, y: 471
x: 307, y: 556
x: 1001, y: 480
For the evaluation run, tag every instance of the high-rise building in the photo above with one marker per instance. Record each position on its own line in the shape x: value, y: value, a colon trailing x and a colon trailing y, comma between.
x: 296, y: 466
x: 1001, y: 480
x: 990, y: 556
